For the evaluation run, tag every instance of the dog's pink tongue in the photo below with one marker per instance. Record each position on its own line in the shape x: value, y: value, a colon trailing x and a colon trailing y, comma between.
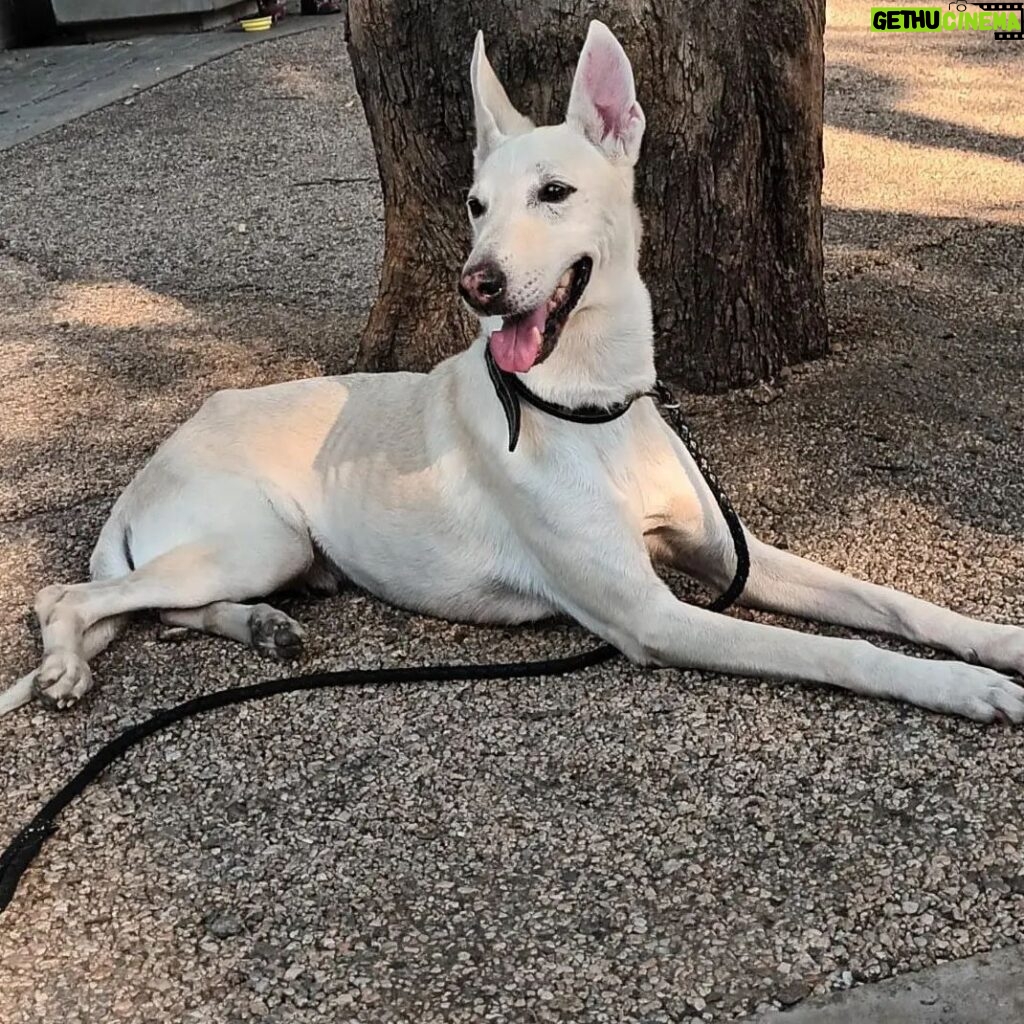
x: 515, y: 346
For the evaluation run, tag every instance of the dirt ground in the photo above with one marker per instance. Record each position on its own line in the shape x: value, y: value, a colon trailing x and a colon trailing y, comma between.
x: 620, y: 846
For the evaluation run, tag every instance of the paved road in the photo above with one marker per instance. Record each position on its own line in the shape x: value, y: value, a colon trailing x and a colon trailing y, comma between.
x: 986, y: 989
x: 47, y: 86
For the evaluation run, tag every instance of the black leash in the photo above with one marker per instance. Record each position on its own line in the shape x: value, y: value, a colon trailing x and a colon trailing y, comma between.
x: 509, y: 389
x: 26, y: 845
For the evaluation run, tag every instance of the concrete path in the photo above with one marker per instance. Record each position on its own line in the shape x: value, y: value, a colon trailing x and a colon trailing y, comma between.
x: 985, y: 989
x: 43, y: 87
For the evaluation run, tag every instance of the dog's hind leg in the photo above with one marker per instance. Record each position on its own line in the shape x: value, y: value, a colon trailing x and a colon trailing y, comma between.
x: 94, y: 642
x: 259, y: 626
x: 215, y: 569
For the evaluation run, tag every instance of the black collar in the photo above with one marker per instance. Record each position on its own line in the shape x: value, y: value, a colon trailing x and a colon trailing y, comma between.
x: 510, y: 389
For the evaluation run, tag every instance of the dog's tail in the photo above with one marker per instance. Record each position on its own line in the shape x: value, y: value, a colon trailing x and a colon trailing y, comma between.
x: 20, y: 693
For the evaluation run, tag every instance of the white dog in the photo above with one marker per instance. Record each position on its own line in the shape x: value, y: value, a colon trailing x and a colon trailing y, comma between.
x: 405, y: 483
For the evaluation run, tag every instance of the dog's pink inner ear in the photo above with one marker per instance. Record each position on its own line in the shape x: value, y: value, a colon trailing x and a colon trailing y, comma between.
x: 608, y: 85
x: 603, y: 101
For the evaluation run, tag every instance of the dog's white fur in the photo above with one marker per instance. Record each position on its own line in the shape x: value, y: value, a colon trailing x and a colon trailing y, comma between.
x: 403, y: 483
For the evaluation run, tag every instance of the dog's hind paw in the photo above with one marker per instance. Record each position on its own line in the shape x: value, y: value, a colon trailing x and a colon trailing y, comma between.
x: 63, y: 680
x: 275, y: 634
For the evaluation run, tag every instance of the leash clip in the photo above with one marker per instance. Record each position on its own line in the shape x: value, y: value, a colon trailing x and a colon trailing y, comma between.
x: 663, y: 396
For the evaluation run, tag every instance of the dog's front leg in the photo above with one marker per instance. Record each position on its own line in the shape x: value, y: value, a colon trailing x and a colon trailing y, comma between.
x: 599, y: 572
x: 781, y: 581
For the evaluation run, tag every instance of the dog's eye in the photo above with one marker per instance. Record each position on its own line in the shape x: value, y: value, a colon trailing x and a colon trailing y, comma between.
x: 554, y: 192
x: 476, y: 208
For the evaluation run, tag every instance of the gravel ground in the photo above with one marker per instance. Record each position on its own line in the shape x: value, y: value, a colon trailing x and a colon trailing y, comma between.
x: 619, y: 846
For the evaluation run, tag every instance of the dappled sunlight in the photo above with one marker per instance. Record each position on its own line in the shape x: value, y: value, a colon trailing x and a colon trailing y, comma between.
x: 93, y: 374
x: 223, y: 231
x: 919, y: 448
x: 119, y: 305
x: 868, y: 172
x: 950, y: 556
x: 936, y: 83
x: 985, y: 96
x: 922, y: 123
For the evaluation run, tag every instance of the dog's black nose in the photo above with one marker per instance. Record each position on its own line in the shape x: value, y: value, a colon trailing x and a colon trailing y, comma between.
x: 483, y: 286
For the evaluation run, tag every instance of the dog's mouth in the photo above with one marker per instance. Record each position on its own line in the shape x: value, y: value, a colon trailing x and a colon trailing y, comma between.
x: 529, y: 338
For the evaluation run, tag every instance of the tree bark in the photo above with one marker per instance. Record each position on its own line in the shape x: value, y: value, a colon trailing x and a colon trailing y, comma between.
x: 729, y: 179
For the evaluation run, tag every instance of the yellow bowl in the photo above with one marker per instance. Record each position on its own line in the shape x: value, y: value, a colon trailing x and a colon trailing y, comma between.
x: 257, y: 24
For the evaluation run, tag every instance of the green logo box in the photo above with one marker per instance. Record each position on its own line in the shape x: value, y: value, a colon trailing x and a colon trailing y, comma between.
x: 938, y: 19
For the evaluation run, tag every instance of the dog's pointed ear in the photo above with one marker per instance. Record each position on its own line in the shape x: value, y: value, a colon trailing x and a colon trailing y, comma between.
x: 603, y: 103
x: 496, y: 118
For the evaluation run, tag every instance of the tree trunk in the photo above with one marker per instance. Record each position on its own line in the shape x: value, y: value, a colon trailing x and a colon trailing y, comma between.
x: 729, y: 179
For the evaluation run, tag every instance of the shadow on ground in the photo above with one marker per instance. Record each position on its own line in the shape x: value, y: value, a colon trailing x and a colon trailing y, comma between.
x: 863, y: 101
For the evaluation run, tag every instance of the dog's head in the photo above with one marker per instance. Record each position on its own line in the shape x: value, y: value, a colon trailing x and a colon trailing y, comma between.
x: 552, y: 208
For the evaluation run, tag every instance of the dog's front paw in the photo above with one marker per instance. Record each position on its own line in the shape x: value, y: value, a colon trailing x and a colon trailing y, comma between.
x: 977, y: 693
x: 1005, y: 651
x: 63, y: 680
